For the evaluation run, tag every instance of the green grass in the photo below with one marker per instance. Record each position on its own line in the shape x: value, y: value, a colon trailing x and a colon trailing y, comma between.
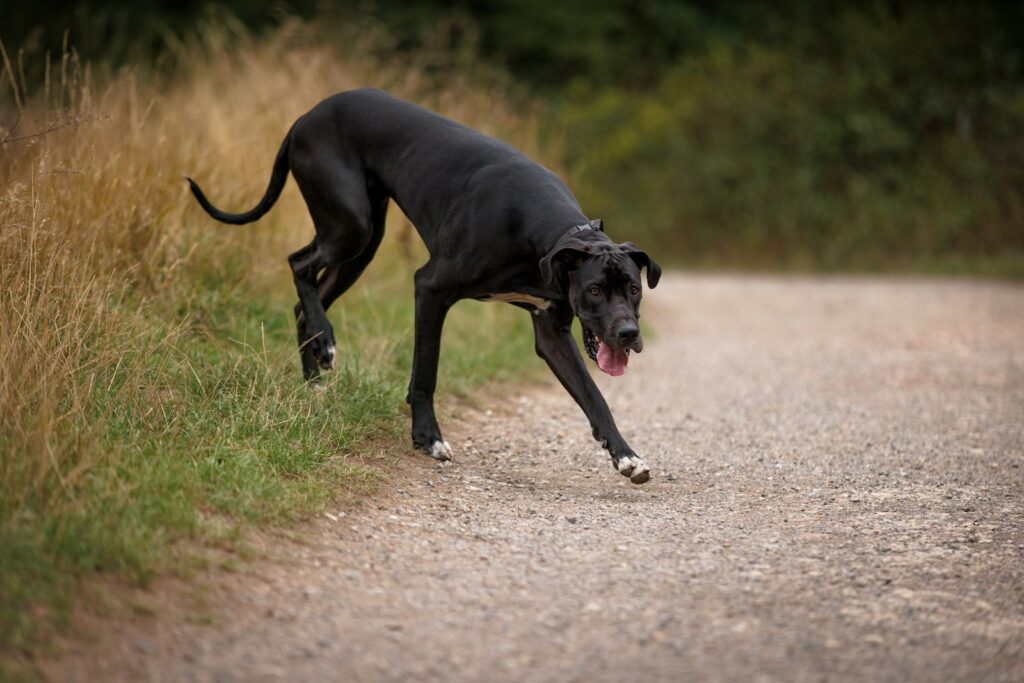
x: 234, y: 438
x: 152, y: 410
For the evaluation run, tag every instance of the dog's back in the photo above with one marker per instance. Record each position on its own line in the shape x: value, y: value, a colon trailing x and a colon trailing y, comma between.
x: 405, y: 147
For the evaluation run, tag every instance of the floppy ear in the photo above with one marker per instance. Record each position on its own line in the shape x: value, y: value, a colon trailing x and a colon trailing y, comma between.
x: 556, y: 264
x: 643, y: 261
x: 560, y: 260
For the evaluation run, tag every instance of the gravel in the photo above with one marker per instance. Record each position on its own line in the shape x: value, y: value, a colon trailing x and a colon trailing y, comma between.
x: 836, y: 495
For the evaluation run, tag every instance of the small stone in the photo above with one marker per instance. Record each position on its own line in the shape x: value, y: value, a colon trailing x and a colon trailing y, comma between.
x: 144, y: 646
x: 571, y: 520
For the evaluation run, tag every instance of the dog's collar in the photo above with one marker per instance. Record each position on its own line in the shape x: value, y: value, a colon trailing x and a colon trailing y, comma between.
x: 596, y: 225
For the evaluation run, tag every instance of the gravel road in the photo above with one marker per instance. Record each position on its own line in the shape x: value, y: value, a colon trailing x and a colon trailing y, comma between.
x: 837, y: 494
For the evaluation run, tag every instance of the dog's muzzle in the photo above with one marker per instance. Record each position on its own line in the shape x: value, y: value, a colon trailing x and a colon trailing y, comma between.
x: 609, y: 359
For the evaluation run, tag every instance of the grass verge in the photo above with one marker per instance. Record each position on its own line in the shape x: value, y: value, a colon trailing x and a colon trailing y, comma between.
x: 151, y: 401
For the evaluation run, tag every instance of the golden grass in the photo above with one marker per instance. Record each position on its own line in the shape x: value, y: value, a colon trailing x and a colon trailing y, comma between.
x: 107, y: 263
x: 95, y: 210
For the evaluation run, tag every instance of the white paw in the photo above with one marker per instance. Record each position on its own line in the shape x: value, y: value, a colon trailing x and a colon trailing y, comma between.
x: 441, y: 451
x: 633, y: 467
x: 331, y: 355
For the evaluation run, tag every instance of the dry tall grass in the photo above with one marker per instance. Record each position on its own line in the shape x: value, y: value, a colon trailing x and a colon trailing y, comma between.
x: 103, y: 253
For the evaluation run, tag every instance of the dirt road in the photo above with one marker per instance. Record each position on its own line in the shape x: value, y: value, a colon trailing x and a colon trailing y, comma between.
x: 837, y: 494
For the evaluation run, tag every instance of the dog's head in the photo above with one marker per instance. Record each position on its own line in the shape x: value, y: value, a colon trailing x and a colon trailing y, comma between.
x: 601, y: 280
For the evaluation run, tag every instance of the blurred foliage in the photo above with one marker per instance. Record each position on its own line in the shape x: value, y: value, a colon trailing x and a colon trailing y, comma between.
x: 882, y: 140
x: 873, y: 135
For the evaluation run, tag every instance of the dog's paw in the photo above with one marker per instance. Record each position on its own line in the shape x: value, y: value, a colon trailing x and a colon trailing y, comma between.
x: 322, y: 346
x: 633, y: 467
x: 440, y: 450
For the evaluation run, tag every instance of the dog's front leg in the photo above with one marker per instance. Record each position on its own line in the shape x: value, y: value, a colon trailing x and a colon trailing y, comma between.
x: 553, y: 333
x: 431, y: 309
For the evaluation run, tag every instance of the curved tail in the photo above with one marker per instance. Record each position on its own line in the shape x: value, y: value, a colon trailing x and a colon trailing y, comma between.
x: 277, y: 181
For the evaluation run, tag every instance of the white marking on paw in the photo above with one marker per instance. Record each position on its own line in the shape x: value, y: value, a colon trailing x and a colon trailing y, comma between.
x: 641, y: 473
x: 635, y: 468
x: 440, y: 450
x: 331, y: 354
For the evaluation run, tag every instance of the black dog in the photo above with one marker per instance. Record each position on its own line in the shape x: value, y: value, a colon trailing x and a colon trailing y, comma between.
x: 499, y: 227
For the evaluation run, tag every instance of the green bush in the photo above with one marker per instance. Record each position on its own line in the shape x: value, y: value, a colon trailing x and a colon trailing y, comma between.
x: 882, y: 141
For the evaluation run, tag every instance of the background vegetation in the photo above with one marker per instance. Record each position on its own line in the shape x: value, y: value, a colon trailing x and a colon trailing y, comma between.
x: 150, y: 391
x: 853, y: 135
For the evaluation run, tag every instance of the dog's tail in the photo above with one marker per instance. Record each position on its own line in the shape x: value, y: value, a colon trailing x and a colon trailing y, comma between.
x: 277, y: 181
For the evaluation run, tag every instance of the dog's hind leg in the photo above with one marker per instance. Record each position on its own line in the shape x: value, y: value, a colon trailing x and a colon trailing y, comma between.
x: 340, y: 206
x: 316, y: 337
x: 335, y: 281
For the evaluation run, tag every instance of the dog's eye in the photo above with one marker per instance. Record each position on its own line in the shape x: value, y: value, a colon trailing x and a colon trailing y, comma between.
x: 634, y: 290
x: 595, y: 291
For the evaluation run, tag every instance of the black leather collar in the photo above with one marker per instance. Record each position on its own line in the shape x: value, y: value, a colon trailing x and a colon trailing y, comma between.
x: 597, y: 225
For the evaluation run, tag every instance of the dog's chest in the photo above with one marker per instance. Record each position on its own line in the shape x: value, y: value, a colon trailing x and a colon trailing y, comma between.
x: 519, y: 298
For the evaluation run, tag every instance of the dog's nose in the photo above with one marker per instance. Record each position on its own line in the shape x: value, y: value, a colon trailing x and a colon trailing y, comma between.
x: 627, y: 334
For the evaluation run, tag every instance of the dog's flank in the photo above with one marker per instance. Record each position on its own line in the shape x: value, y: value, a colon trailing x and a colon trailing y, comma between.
x: 498, y: 227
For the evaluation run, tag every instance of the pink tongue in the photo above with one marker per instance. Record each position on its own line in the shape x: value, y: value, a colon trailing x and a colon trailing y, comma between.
x: 612, y: 362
